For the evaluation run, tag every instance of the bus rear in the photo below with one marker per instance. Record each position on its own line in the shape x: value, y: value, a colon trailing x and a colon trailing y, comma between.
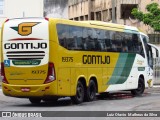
x: 26, y: 70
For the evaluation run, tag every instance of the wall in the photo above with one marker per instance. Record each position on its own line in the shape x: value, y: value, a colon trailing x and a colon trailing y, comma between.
x: 78, y: 8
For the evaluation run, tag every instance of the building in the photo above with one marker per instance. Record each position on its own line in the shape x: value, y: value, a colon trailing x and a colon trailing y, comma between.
x: 20, y: 8
x: 102, y: 10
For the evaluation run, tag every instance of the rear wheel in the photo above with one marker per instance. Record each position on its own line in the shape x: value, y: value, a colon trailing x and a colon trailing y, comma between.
x: 79, y: 97
x: 141, y: 86
x: 91, y: 91
x: 35, y: 100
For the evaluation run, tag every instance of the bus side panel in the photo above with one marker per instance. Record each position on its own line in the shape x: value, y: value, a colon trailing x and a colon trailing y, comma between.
x: 121, y: 73
x: 64, y: 82
x: 98, y: 75
x: 105, y: 79
x: 137, y: 70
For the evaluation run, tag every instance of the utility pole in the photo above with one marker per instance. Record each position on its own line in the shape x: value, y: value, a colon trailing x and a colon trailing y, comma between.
x: 23, y: 14
x: 89, y: 9
x: 113, y: 11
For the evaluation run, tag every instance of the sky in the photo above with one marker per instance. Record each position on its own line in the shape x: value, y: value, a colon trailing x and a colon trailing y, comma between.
x: 56, y: 8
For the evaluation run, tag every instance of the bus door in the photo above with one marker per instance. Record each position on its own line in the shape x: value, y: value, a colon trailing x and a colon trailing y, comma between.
x: 156, y: 61
x: 149, y: 58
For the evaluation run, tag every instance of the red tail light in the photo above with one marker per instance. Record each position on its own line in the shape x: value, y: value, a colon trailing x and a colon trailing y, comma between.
x: 47, y: 19
x: 4, y: 80
x: 6, y: 20
x: 51, y: 73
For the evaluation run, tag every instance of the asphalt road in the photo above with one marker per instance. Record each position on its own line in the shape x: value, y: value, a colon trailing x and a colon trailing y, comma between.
x: 121, y: 101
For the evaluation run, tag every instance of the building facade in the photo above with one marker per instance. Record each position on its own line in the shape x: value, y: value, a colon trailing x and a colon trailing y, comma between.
x: 102, y: 10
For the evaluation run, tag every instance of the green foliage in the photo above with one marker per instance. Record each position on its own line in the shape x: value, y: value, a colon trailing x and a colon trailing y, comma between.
x: 152, y: 18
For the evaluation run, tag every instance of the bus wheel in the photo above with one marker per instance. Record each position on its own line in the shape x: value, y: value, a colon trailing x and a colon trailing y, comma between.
x: 91, y: 91
x: 79, y: 97
x: 35, y: 100
x: 139, y: 91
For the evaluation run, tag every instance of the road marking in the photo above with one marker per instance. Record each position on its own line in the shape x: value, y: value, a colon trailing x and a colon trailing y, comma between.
x: 156, y: 86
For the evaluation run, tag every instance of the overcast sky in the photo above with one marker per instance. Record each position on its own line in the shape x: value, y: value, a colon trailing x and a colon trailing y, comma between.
x: 56, y: 8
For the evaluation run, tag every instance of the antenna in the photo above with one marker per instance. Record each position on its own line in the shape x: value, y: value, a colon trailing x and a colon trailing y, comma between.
x: 23, y: 14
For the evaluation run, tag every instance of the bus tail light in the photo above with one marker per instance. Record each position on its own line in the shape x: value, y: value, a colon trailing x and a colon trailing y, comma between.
x: 4, y: 80
x: 6, y: 20
x: 51, y: 73
x: 46, y: 18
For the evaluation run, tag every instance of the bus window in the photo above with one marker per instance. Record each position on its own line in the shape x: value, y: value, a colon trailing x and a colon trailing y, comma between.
x: 107, y: 40
x: 63, y: 35
x: 100, y: 40
x: 75, y: 41
x: 150, y: 57
x: 124, y: 43
x: 129, y: 42
x: 119, y: 41
x: 114, y: 42
x: 88, y: 40
x: 137, y: 44
x: 148, y: 52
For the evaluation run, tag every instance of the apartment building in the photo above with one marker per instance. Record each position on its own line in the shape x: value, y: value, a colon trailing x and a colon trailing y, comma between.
x: 102, y: 10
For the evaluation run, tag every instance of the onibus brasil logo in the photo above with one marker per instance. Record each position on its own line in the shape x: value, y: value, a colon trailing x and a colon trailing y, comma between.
x: 25, y: 28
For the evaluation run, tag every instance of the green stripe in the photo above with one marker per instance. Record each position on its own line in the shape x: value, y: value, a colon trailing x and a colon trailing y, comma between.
x: 127, y: 68
x: 118, y: 69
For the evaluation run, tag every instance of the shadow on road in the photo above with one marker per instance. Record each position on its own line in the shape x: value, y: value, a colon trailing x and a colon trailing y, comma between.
x: 67, y: 101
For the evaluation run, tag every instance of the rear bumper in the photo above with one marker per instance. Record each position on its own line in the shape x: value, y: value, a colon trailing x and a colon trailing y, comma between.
x: 32, y: 90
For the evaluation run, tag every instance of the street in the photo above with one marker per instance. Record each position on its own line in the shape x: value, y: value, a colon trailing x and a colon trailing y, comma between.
x: 121, y: 101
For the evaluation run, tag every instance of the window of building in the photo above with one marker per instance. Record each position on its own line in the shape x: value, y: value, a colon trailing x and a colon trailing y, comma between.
x: 105, y: 15
x: 110, y: 14
x: 98, y: 15
x: 86, y: 17
x: 126, y: 10
x: 76, y: 19
x: 92, y: 15
x: 81, y: 18
x: 154, y: 38
x: 1, y: 7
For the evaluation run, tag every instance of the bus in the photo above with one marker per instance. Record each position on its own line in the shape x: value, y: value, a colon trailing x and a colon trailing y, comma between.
x: 48, y: 58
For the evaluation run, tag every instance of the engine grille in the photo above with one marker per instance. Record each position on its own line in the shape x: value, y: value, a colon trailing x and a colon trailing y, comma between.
x: 25, y: 55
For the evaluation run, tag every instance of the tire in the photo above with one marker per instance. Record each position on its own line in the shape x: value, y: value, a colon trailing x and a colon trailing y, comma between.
x: 35, y: 100
x: 79, y: 97
x: 90, y: 94
x: 141, y: 87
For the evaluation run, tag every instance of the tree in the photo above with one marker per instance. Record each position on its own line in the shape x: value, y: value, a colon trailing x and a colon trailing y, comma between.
x: 152, y: 18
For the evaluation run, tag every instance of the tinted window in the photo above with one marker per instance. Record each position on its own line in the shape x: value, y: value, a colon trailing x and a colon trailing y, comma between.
x: 75, y: 38
x: 93, y: 39
x: 63, y: 35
